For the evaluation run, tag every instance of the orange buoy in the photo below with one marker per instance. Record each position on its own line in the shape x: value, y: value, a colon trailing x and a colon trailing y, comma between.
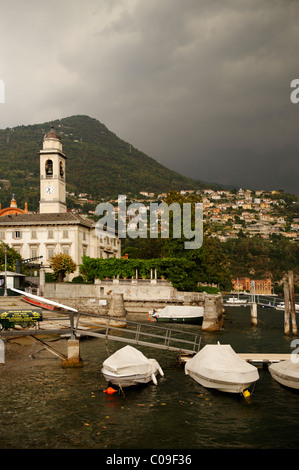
x: 110, y: 390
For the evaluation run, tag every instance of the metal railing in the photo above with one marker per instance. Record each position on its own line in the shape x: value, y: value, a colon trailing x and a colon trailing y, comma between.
x: 115, y: 329
x: 144, y: 334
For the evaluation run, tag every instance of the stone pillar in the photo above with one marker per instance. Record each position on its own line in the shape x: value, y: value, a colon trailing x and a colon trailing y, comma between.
x: 42, y: 281
x: 117, y: 308
x: 253, y: 312
x: 2, y: 352
x: 292, y: 302
x: 154, y: 281
x: 73, y: 354
x: 213, y: 313
x: 286, y: 309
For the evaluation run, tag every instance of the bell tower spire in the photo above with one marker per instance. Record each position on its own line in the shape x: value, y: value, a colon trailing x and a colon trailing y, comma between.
x: 52, y: 174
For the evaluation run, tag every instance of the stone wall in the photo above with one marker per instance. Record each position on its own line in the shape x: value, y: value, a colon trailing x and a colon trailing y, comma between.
x: 131, y: 289
x: 139, y: 298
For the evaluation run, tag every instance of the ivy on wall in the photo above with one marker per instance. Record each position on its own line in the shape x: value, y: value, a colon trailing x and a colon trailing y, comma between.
x: 178, y: 271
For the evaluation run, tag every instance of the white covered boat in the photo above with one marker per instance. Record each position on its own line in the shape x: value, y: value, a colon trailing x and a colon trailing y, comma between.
x: 235, y: 301
x: 281, y: 306
x: 218, y: 366
x: 286, y: 373
x: 128, y: 366
x: 178, y: 314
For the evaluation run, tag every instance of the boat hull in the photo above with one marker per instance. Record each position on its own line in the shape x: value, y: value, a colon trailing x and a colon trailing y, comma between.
x: 228, y: 387
x: 193, y: 320
x: 129, y: 380
x: 217, y: 366
x: 281, y: 306
x: 128, y: 366
x: 38, y: 303
x: 178, y: 314
x: 284, y: 376
x: 286, y: 381
x: 237, y: 303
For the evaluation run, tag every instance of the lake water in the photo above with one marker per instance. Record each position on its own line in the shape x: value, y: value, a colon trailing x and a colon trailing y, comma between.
x: 44, y: 406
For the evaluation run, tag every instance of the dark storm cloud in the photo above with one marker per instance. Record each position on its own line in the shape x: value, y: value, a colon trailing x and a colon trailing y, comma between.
x: 203, y: 86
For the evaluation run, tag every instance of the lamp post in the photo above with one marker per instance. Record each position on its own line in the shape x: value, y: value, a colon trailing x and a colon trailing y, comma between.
x: 5, y: 277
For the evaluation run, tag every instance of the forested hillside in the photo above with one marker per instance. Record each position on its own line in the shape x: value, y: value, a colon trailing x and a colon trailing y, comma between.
x: 98, y: 163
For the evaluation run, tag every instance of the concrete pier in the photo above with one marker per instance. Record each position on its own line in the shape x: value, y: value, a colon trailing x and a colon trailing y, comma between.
x: 117, y: 306
x: 73, y: 354
x: 253, y: 313
x: 213, y: 313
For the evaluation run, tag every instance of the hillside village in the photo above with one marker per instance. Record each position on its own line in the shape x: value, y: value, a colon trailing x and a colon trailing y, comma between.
x: 228, y: 213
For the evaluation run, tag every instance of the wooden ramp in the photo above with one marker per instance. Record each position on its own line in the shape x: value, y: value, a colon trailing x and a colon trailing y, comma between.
x: 257, y: 359
x: 264, y: 358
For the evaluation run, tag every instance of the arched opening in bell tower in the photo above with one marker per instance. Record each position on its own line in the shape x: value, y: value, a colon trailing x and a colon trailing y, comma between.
x: 49, y: 168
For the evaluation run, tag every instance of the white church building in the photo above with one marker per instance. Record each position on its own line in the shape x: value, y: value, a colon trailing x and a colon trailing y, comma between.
x: 55, y: 230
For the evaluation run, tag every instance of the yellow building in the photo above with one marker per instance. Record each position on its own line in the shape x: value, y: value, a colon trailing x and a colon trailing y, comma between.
x: 261, y: 286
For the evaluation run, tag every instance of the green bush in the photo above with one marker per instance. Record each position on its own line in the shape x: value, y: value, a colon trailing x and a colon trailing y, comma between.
x: 208, y: 289
x: 77, y: 279
x: 50, y: 277
x: 179, y: 271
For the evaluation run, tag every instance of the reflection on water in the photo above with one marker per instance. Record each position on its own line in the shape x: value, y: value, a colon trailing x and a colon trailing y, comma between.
x: 45, y: 406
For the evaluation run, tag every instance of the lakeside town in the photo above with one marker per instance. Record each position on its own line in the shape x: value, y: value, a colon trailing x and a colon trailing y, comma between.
x: 228, y: 213
x: 65, y: 225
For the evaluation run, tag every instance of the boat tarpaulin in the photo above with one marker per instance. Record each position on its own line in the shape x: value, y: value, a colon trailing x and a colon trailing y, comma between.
x: 128, y: 361
x: 219, y: 362
x: 286, y: 369
x: 180, y: 311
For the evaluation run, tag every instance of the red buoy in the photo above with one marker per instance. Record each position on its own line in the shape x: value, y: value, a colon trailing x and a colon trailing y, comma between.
x: 110, y: 390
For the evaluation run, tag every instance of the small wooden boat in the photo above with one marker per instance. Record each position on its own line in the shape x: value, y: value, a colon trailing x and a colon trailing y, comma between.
x: 286, y: 373
x: 218, y: 366
x: 128, y: 366
x: 178, y: 314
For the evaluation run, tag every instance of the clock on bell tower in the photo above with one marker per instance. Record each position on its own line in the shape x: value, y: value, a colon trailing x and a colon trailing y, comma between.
x: 52, y: 175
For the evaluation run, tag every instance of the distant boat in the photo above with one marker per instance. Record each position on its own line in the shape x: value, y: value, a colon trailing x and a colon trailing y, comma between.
x: 128, y: 366
x: 178, y: 314
x: 218, y: 366
x: 286, y: 373
x: 268, y: 305
x: 235, y: 301
x: 281, y: 306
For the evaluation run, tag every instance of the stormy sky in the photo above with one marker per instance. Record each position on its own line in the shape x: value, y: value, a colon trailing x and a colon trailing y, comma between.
x: 202, y: 86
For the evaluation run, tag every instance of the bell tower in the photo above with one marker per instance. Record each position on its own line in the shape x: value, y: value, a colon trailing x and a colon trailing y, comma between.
x: 52, y: 175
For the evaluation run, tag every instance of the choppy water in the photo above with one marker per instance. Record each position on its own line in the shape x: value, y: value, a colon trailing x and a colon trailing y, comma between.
x: 46, y: 407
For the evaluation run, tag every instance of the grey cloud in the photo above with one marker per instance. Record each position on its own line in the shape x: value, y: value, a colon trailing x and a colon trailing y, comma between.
x: 201, y: 85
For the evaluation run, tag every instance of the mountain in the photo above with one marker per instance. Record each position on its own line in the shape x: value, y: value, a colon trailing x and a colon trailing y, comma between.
x: 98, y: 163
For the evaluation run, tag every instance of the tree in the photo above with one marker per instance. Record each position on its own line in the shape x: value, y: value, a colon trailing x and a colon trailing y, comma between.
x: 62, y: 264
x: 11, y: 256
